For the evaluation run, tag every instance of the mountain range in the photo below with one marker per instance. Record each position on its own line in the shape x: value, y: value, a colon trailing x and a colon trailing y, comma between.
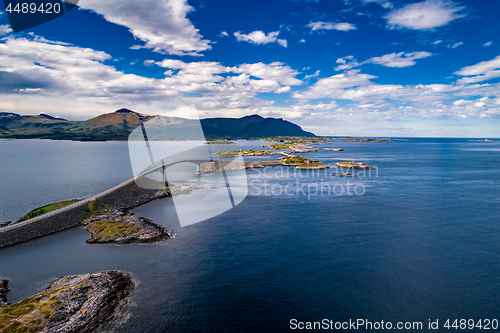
x: 119, y: 124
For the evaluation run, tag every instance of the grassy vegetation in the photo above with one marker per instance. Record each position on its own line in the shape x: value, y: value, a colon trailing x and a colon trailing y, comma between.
x: 279, y: 146
x: 303, y: 163
x: 31, y: 314
x: 111, y: 228
x: 248, y: 152
x: 45, y: 209
x: 95, y: 208
x: 312, y: 165
x: 347, y: 163
x: 296, y: 160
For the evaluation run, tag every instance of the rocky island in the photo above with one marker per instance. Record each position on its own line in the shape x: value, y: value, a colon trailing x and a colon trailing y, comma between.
x: 248, y: 152
x: 76, y: 303
x: 119, y: 228
x: 304, y: 163
x: 352, y: 165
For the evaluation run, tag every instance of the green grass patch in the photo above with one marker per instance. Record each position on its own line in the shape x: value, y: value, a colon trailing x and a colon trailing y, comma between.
x: 278, y: 146
x: 347, y: 163
x: 111, y: 228
x: 45, y: 209
x: 296, y: 160
x: 95, y: 208
x: 31, y: 314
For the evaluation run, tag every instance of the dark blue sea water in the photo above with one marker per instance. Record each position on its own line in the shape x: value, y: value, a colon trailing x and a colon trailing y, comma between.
x: 421, y: 242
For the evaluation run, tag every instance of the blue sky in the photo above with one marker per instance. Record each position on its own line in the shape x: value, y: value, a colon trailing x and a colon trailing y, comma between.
x: 335, y: 67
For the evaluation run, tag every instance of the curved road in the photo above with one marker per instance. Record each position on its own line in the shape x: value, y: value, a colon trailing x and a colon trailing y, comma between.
x: 94, y: 197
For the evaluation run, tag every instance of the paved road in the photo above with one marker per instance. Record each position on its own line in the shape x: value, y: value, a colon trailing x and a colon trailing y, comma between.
x: 94, y: 197
x: 69, y: 207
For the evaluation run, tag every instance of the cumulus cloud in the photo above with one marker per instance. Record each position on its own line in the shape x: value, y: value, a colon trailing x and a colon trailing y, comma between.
x: 482, y: 71
x: 302, y: 41
x: 276, y: 71
x: 259, y: 37
x: 429, y: 14
x: 224, y: 34
x: 400, y: 59
x: 344, y: 26
x: 161, y: 24
x: 4, y: 30
x: 487, y: 44
x: 44, y: 76
x: 388, y: 100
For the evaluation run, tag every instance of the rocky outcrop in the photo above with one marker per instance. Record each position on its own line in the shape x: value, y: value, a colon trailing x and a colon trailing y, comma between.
x: 352, y: 165
x: 118, y: 228
x: 334, y: 149
x: 4, y: 290
x: 77, y: 303
x: 315, y: 166
x: 344, y: 175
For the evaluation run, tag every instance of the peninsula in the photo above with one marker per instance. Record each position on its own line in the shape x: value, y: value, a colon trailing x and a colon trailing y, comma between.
x: 76, y: 303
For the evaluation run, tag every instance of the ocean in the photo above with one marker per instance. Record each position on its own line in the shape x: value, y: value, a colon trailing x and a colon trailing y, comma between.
x: 415, y: 240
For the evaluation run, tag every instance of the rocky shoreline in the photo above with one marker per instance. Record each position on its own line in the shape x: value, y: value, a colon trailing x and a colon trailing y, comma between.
x: 119, y: 228
x: 352, y: 165
x: 76, y: 303
x: 4, y: 290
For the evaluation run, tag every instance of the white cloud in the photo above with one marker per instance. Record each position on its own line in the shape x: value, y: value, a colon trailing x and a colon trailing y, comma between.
x: 302, y: 41
x: 436, y: 42
x: 312, y: 75
x: 76, y: 82
x: 344, y: 26
x: 333, y: 86
x: 429, y: 14
x: 400, y: 59
x: 161, y: 24
x: 4, y: 30
x: 487, y: 44
x: 282, y: 42
x: 224, y: 34
x: 340, y: 61
x: 482, y: 71
x: 259, y: 37
x: 275, y: 71
x: 283, y: 90
x: 454, y: 45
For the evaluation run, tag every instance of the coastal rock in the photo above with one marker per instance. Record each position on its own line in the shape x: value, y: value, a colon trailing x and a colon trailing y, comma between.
x: 352, y: 165
x: 344, y: 175
x: 334, y: 149
x: 77, y: 303
x: 117, y: 228
x: 5, y: 224
x: 4, y: 290
x: 312, y: 167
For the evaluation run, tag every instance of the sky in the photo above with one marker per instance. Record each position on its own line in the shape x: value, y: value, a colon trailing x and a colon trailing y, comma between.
x: 386, y: 68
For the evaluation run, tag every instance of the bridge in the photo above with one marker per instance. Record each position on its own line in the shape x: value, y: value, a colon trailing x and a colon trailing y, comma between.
x: 83, y: 203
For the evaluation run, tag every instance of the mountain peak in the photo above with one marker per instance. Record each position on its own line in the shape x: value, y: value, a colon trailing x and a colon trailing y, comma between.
x: 124, y: 111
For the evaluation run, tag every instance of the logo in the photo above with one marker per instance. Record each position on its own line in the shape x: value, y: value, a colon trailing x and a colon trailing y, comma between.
x: 173, y: 150
x: 31, y: 13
